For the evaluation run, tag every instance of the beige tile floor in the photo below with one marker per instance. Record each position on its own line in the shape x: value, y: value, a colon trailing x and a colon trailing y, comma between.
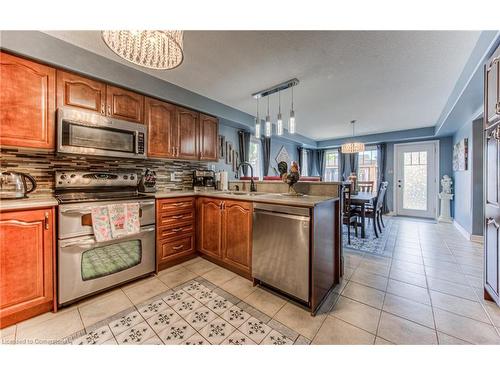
x: 426, y: 289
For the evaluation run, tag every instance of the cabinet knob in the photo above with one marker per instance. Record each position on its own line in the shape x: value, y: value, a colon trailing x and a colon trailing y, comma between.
x: 46, y: 220
x: 109, y: 109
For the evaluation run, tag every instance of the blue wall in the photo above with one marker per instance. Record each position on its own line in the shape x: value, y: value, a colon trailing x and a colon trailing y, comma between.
x: 276, y: 144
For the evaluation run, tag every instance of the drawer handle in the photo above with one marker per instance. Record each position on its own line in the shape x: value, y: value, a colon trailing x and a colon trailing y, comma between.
x: 490, y: 220
x: 177, y: 217
x: 178, y: 247
x: 179, y: 204
x: 175, y: 230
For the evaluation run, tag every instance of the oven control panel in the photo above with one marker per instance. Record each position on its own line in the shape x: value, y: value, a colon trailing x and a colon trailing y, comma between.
x: 85, y: 179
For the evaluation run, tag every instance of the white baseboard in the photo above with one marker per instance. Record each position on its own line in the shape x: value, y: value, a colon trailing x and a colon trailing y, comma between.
x: 466, y: 234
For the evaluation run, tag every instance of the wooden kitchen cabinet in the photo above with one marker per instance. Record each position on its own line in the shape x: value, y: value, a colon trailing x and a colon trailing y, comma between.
x: 209, y: 132
x: 160, y: 119
x: 27, y: 264
x: 187, y: 134
x: 124, y: 104
x: 175, y: 230
x: 79, y: 92
x: 492, y: 89
x: 27, y: 103
x: 224, y: 231
x: 209, y: 226
x: 237, y: 234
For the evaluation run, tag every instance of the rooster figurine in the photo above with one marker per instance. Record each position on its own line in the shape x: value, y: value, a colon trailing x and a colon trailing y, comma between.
x: 289, y: 178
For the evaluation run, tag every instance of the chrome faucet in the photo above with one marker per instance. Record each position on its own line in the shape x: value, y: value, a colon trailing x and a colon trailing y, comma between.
x: 252, y: 184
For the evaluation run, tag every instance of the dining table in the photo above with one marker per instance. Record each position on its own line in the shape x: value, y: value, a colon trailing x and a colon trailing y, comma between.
x: 362, y: 199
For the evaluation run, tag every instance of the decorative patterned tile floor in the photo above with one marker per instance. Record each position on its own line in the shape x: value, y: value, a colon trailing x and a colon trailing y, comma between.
x: 191, y: 314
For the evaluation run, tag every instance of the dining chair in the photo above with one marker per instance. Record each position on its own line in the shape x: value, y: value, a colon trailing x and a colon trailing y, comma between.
x: 375, y: 212
x: 366, y: 186
x: 349, y: 215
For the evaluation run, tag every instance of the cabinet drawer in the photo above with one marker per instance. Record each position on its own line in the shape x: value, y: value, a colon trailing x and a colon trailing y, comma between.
x: 175, y: 219
x: 175, y: 204
x: 173, y: 232
x: 177, y: 246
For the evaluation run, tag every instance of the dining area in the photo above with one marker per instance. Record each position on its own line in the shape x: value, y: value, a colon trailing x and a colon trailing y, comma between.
x: 363, y: 206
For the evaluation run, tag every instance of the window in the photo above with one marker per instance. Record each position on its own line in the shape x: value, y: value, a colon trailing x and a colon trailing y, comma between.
x: 368, y: 166
x: 255, y: 156
x: 304, y: 171
x: 331, y: 166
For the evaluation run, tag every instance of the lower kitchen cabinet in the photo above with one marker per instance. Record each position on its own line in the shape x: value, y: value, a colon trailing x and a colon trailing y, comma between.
x: 174, y: 230
x: 225, y: 232
x: 26, y: 264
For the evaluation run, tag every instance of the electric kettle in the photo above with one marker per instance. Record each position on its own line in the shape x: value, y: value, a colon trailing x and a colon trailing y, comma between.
x: 13, y: 185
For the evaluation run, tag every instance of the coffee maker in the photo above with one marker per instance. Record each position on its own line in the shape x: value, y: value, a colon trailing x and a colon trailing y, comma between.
x: 203, y: 180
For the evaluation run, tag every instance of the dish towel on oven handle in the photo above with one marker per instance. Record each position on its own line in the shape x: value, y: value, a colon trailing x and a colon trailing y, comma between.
x: 132, y: 222
x: 117, y: 219
x: 100, y: 223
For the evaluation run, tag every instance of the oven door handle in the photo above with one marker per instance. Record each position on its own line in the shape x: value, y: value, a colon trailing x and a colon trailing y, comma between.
x: 85, y: 211
x: 89, y: 244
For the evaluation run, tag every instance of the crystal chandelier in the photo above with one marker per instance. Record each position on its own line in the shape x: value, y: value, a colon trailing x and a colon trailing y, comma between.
x: 155, y: 49
x: 352, y: 147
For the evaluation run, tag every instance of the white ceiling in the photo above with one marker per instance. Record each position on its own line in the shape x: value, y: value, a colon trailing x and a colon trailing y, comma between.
x: 386, y: 80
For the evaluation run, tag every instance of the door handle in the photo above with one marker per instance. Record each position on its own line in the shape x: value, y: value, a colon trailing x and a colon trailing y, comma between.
x: 490, y: 221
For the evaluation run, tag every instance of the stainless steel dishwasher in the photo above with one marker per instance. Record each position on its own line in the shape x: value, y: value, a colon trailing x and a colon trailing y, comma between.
x: 280, y: 256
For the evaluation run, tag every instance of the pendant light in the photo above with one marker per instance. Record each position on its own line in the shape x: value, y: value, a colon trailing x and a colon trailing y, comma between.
x: 154, y: 49
x: 291, y: 125
x: 352, y: 147
x: 257, y: 122
x: 268, y: 121
x: 279, y: 124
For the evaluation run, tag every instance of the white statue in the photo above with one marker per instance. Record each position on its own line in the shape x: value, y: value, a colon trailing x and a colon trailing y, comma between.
x: 446, y: 183
x: 446, y: 196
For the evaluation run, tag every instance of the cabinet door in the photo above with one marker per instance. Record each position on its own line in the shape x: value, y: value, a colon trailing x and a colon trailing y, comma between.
x: 492, y: 219
x: 208, y: 137
x: 27, y: 103
x: 187, y: 134
x: 209, y: 224
x: 160, y: 119
x: 76, y: 91
x: 124, y: 104
x: 237, y: 234
x: 492, y: 89
x: 26, y: 255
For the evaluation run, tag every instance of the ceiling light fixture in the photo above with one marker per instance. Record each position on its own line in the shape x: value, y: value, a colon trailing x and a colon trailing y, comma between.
x: 154, y: 49
x: 353, y: 147
x: 257, y: 122
x: 279, y: 123
x: 291, y: 125
x: 268, y: 121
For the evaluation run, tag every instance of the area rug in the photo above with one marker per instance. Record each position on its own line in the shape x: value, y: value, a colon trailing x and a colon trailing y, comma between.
x: 383, y: 245
x: 195, y: 313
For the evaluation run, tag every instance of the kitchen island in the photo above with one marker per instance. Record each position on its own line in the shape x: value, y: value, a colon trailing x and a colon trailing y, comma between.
x: 219, y: 226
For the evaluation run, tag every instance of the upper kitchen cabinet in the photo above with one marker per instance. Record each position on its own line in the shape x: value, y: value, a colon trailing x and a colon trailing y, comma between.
x: 208, y: 137
x: 124, y: 104
x: 187, y: 134
x: 492, y: 89
x: 27, y: 103
x: 76, y: 91
x: 160, y: 117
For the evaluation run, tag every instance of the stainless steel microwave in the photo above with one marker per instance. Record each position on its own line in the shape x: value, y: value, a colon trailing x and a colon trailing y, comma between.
x: 81, y: 132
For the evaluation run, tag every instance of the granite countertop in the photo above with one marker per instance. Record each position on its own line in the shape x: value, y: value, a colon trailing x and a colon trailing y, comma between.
x: 34, y: 201
x: 303, y: 201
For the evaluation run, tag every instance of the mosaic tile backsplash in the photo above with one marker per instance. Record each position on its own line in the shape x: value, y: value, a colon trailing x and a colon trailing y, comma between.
x: 42, y: 165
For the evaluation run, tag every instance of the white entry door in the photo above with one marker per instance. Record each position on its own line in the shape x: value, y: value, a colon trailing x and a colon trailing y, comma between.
x: 416, y: 170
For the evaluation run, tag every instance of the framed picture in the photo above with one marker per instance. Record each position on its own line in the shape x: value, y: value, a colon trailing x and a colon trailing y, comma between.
x: 461, y: 155
x: 283, y: 156
x: 222, y: 147
x: 229, y: 153
x: 235, y: 161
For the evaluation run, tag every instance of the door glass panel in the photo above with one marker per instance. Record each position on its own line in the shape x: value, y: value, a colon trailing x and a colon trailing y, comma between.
x: 415, y: 181
x: 109, y: 259
x: 77, y: 135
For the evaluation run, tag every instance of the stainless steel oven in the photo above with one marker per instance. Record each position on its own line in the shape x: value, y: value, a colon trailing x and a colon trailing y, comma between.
x: 81, y: 132
x: 84, y: 265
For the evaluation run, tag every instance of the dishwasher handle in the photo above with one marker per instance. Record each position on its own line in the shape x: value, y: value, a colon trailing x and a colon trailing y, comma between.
x: 279, y: 214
